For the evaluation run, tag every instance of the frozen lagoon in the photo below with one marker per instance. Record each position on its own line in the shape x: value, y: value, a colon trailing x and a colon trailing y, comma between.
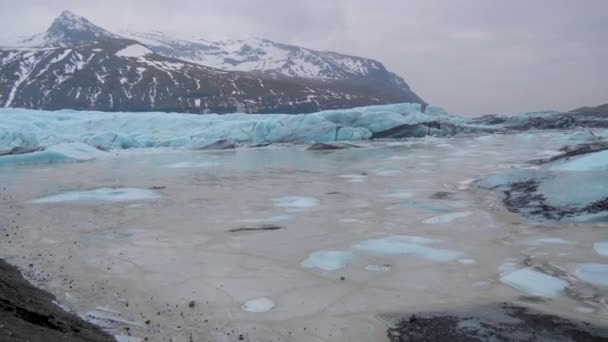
x: 122, y: 264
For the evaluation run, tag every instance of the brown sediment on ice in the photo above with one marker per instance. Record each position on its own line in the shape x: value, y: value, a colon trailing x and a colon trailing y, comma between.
x: 29, y: 314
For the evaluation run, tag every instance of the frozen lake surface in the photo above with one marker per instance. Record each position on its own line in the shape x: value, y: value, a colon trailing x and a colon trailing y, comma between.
x: 150, y: 244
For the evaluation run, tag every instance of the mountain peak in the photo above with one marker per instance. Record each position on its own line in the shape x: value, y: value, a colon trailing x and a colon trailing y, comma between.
x: 68, y: 29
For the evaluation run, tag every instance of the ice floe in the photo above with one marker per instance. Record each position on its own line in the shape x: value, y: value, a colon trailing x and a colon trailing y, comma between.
x: 65, y: 152
x: 601, y: 248
x: 400, y: 195
x: 258, y: 305
x: 447, y: 218
x: 596, y: 274
x: 378, y: 268
x: 295, y: 202
x: 328, y: 260
x: 597, y: 161
x: 102, y: 195
x: 535, y: 283
x: 408, y: 245
x: 546, y: 241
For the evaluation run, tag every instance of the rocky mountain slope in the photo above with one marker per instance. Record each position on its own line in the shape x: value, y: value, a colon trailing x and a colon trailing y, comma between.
x: 78, y: 65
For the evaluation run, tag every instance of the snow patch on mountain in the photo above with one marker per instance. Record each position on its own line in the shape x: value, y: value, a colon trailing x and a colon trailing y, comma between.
x: 135, y: 50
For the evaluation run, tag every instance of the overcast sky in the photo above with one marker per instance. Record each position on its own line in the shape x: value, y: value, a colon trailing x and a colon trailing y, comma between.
x: 470, y: 56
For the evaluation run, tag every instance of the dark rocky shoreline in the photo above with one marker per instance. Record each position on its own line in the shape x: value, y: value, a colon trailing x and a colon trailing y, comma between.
x: 493, y: 322
x: 29, y: 314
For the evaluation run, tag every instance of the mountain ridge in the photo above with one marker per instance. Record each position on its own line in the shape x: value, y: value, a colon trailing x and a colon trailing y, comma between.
x: 78, y: 65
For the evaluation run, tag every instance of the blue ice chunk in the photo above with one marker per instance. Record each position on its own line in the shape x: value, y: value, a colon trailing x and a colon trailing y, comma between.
x: 601, y: 248
x: 408, y: 245
x: 597, y: 161
x: 103, y: 195
x: 258, y: 305
x: 595, y: 274
x: 57, y: 153
x: 583, y: 136
x: 328, y: 260
x: 400, y: 195
x: 378, y: 268
x: 535, y: 283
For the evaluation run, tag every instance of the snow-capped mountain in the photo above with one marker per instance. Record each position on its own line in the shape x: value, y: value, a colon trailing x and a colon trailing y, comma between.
x: 266, y: 56
x: 78, y: 65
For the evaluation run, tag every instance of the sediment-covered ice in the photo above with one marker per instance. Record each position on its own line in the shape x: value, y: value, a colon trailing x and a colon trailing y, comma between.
x: 258, y: 305
x: 328, y: 260
x: 408, y: 245
x: 534, y: 282
x: 101, y: 195
x: 596, y: 274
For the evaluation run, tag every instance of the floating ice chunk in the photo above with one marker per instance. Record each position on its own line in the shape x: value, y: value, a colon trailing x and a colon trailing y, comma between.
x: 353, y: 178
x: 467, y: 261
x: 55, y: 154
x: 408, y: 245
x: 601, y: 248
x: 535, y: 283
x: 597, y: 161
x: 447, y: 218
x: 258, y: 305
x: 296, y: 202
x: 328, y: 260
x: 378, y: 268
x: 103, y: 194
x: 187, y: 165
x: 596, y: 274
x: 400, y: 195
x: 385, y: 173
x: 585, y: 309
x: 584, y: 136
x: 546, y: 241
x: 465, y: 184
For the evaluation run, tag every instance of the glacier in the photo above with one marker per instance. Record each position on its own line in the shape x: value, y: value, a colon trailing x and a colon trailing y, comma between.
x: 114, y: 131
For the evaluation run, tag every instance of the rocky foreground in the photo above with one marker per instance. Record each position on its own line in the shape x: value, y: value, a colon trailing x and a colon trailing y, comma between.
x: 29, y: 314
